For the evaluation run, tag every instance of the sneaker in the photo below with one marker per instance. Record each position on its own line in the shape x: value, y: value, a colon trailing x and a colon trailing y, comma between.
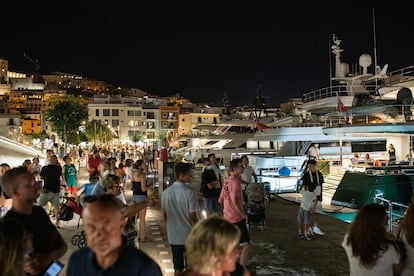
x: 301, y: 236
x: 307, y: 237
x: 310, y: 231
x: 317, y: 231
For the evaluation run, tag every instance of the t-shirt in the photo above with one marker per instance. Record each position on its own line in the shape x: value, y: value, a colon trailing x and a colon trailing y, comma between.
x: 39, y: 224
x: 131, y: 262
x: 208, y: 176
x: 70, y: 175
x: 178, y: 201
x: 312, y: 180
x: 383, y: 265
x: 231, y: 188
x: 51, y: 176
x: 307, y: 199
x: 247, y: 175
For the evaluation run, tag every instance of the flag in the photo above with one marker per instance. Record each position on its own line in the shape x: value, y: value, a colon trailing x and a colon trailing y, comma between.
x: 341, y: 106
x: 260, y: 126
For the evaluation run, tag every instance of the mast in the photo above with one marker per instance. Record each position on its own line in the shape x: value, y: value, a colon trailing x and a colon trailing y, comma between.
x: 375, y: 49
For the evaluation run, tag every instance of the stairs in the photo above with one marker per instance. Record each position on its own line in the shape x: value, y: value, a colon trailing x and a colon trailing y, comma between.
x: 332, y: 181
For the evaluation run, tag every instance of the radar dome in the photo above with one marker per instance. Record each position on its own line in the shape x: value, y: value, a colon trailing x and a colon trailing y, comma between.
x: 365, y: 61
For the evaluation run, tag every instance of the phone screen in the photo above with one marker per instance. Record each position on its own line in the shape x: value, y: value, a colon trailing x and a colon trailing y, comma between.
x: 54, y: 269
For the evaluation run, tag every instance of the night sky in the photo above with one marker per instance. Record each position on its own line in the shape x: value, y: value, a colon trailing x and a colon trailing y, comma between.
x: 203, y: 49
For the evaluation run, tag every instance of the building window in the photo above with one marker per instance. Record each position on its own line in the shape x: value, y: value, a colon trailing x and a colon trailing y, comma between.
x: 137, y: 112
x: 115, y: 112
x: 97, y: 112
x: 150, y: 115
x: 105, y: 112
x: 199, y: 120
x: 131, y: 113
x: 115, y: 123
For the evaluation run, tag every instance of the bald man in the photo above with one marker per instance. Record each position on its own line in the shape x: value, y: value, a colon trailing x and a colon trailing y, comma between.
x: 108, y: 251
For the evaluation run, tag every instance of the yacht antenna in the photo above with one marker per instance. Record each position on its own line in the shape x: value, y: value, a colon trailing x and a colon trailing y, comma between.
x: 375, y: 50
x: 330, y: 64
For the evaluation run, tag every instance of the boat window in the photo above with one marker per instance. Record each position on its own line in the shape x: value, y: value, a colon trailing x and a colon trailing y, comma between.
x: 369, y: 146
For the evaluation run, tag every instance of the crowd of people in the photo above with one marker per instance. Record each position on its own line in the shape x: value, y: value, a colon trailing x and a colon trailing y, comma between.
x: 217, y: 244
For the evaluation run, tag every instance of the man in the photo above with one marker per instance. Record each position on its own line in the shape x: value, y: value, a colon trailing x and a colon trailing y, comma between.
x: 216, y: 168
x: 231, y: 197
x: 180, y: 206
x: 313, y: 152
x: 5, y: 201
x: 314, y: 179
x: 208, y: 188
x: 51, y: 175
x: 94, y: 162
x: 108, y: 252
x: 48, y: 244
x: 247, y: 176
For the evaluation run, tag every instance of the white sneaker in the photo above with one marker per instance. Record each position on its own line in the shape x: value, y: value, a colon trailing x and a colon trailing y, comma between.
x: 310, y: 230
x: 317, y: 231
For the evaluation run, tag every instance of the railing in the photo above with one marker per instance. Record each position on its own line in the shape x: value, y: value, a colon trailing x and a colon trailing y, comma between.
x: 337, y: 91
x: 385, y: 113
x: 392, y: 216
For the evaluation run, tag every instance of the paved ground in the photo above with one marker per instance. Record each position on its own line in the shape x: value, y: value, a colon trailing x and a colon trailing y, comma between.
x: 276, y: 249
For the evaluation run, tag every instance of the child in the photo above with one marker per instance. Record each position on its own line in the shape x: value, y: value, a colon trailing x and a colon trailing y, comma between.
x: 307, y: 203
x: 70, y: 175
x: 87, y: 188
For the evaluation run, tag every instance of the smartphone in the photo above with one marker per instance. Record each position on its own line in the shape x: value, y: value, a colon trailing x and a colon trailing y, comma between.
x: 54, y: 269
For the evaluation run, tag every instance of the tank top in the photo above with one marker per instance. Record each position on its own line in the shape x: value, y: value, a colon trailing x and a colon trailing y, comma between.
x: 136, y: 188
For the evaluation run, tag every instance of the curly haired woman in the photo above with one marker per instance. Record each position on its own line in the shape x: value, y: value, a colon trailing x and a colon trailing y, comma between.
x: 370, y: 248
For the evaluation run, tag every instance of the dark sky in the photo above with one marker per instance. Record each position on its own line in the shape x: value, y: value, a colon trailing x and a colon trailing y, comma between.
x: 203, y: 49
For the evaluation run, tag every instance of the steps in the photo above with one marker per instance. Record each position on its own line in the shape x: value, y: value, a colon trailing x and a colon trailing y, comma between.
x: 332, y: 181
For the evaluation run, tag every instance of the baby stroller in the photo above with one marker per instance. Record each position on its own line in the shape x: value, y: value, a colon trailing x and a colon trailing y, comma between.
x: 255, y: 206
x: 130, y: 232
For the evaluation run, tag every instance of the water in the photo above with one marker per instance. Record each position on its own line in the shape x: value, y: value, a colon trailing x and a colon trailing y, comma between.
x: 346, y: 217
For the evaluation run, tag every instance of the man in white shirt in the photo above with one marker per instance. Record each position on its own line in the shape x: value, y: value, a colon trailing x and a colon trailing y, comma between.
x: 248, y: 175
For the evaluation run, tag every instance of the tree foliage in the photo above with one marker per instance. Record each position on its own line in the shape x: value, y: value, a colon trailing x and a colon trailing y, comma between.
x: 66, y: 116
x: 97, y: 132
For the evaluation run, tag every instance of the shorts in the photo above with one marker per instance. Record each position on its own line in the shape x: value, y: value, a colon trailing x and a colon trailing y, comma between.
x: 70, y: 189
x: 178, y: 254
x: 245, y: 236
x: 318, y: 208
x: 139, y: 198
x: 44, y: 198
x: 304, y: 216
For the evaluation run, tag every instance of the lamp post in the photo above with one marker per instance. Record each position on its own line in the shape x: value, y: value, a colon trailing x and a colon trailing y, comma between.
x: 94, y: 132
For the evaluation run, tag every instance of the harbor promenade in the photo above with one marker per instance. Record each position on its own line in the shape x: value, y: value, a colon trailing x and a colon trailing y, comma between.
x: 276, y: 249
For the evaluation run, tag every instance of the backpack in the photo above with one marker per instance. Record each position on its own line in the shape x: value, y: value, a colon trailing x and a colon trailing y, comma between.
x: 65, y: 212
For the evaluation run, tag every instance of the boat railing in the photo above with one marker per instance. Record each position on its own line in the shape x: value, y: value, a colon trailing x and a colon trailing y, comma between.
x: 336, y: 91
x: 401, y: 113
x: 400, y: 75
x: 395, y: 210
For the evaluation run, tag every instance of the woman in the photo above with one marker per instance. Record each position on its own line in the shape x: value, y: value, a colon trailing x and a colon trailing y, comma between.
x: 111, y: 185
x: 139, y: 194
x: 370, y: 248
x: 212, y: 248
x: 391, y: 153
x: 406, y: 233
x: 15, y: 245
